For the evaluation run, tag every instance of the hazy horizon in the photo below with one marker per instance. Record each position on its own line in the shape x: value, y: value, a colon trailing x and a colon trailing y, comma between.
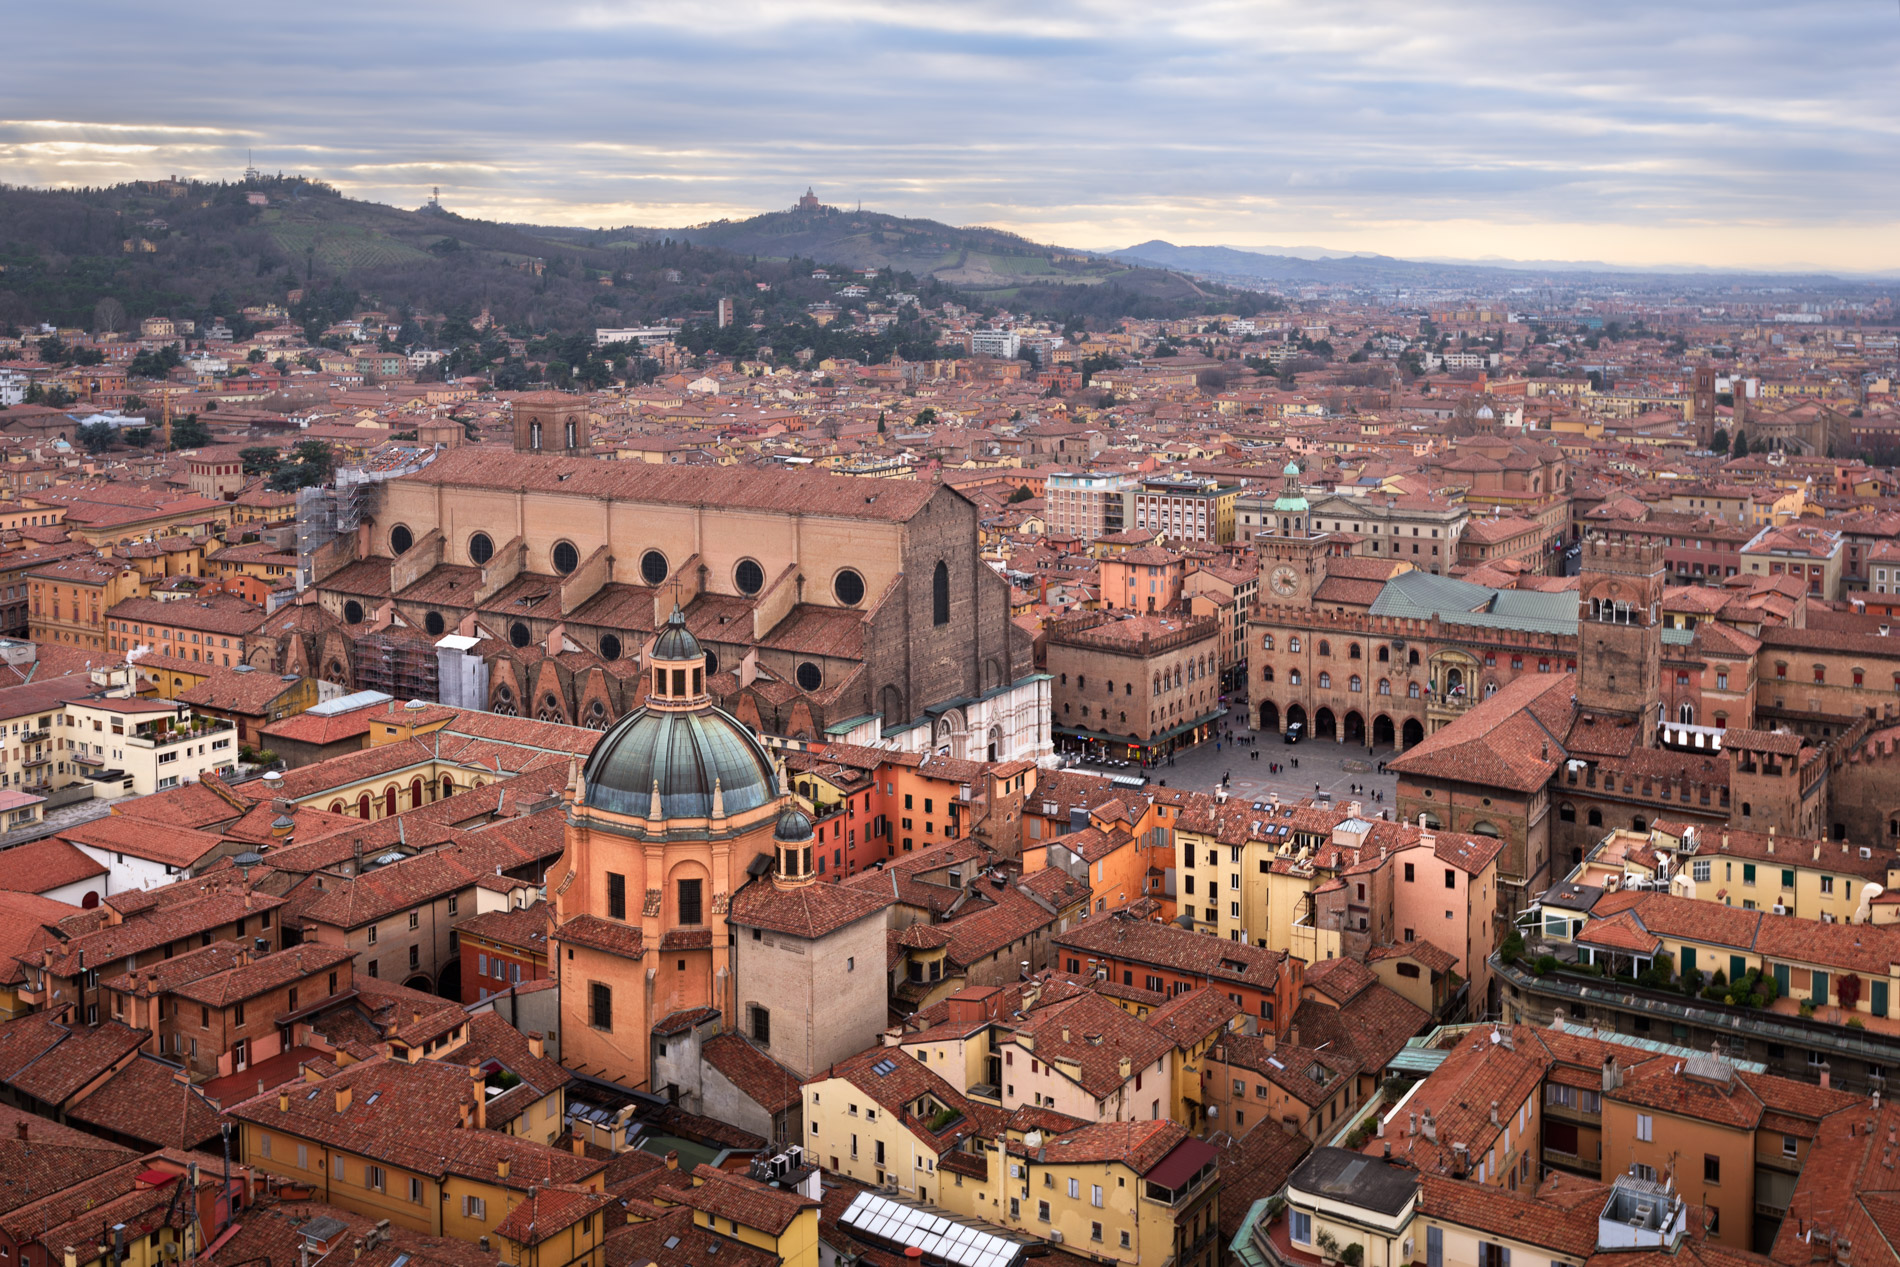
x: 1747, y: 136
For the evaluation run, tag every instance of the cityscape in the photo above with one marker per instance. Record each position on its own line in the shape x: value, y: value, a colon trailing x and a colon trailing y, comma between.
x: 551, y: 726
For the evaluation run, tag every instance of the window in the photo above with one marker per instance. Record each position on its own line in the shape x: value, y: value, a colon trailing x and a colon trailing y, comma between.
x: 415, y: 920
x: 1124, y: 1240
x: 600, y: 1006
x: 760, y: 1023
x: 1711, y: 1168
x: 940, y: 595
x: 689, y: 912
x: 1042, y: 1207
x: 1075, y: 1189
x: 415, y: 1190
x: 1095, y: 1199
x: 1790, y: 1146
x: 475, y: 1208
x: 373, y: 1178
x: 1434, y: 1247
x: 616, y: 896
x: 1300, y: 1224
x: 1490, y: 1255
x: 1645, y: 1127
x: 1095, y: 1231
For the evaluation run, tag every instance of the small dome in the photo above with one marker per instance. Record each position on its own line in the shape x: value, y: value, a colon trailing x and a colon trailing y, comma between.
x: 1292, y: 468
x: 793, y: 826
x: 1484, y: 411
x: 674, y: 642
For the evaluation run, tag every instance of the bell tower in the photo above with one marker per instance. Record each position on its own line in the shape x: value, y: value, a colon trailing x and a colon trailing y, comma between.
x: 552, y: 423
x: 1619, y: 627
x: 1292, y: 554
x: 1702, y: 393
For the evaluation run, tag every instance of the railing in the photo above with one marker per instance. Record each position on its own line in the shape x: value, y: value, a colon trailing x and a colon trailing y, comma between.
x: 171, y: 738
x: 1742, y: 1022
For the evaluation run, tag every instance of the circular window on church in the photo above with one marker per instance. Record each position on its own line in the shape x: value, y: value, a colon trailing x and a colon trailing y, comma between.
x: 434, y: 623
x: 352, y: 612
x: 749, y: 577
x: 609, y: 647
x: 480, y: 549
x: 848, y: 588
x: 810, y: 676
x: 566, y: 557
x: 653, y: 567
x: 519, y: 635
x: 712, y: 660
x: 400, y: 539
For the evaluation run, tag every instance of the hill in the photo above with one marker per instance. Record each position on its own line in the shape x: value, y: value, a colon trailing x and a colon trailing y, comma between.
x: 989, y: 266
x: 201, y: 249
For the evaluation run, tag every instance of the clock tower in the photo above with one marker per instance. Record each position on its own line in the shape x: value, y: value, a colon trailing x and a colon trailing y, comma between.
x: 1292, y: 555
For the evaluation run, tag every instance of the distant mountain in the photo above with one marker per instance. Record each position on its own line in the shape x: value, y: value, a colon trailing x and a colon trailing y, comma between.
x: 1238, y: 267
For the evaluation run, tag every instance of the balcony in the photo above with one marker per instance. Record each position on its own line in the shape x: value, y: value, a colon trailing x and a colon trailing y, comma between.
x: 34, y: 762
x: 35, y: 736
x: 158, y: 740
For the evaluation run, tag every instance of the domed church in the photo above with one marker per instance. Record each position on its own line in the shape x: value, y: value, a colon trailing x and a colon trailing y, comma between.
x: 674, y: 811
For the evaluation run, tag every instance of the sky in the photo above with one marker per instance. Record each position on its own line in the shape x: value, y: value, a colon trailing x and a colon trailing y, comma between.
x: 1680, y: 133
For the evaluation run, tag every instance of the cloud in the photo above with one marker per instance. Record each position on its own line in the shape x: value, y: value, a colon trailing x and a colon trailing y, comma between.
x: 1742, y: 134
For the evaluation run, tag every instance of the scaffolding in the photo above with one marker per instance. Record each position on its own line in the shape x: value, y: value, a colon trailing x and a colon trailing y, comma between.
x: 324, y: 514
x: 398, y: 663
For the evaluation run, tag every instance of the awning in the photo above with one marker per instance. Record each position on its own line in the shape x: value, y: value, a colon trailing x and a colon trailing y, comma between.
x: 1179, y: 1167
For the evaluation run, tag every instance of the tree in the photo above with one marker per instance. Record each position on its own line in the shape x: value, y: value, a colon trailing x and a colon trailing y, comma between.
x: 1022, y: 494
x: 925, y: 416
x: 96, y: 437
x: 1719, y: 441
x: 255, y: 356
x: 132, y: 404
x: 1739, y: 449
x: 1847, y: 990
x: 189, y: 433
x: 108, y: 316
x: 259, y: 458
x: 880, y: 422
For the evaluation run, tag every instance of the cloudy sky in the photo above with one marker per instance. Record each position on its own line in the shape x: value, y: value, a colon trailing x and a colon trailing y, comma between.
x: 1732, y: 134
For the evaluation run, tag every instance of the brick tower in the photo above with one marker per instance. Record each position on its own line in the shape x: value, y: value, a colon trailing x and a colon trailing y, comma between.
x: 1619, y: 615
x: 1703, y: 395
x: 551, y: 422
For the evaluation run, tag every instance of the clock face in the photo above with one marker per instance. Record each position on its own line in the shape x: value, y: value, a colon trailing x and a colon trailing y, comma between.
x: 1284, y: 581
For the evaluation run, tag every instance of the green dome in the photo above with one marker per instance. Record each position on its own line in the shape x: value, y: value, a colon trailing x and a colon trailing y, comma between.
x: 674, y: 642
x: 1291, y: 468
x: 793, y: 826
x: 685, y: 752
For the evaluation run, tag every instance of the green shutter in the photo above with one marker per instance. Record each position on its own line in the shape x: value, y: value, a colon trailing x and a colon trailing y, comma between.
x: 1748, y: 873
x: 1737, y: 967
x: 1878, y: 999
x: 1688, y: 959
x: 1787, y: 878
x: 1819, y: 993
x: 1781, y: 977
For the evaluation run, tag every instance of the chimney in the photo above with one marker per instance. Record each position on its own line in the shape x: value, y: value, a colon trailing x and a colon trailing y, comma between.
x: 481, y: 1097
x: 1494, y: 1113
x: 1612, y: 1076
x: 1429, y: 1128
x: 1293, y: 1036
x: 22, y: 1130
x: 501, y: 1168
x: 537, y: 1044
x: 1065, y: 1033
x: 1827, y: 1075
x: 343, y: 1097
x: 672, y: 1159
x: 1411, y: 1127
x: 1460, y: 1161
x: 580, y: 1146
x: 283, y: 1101
x: 1126, y: 1068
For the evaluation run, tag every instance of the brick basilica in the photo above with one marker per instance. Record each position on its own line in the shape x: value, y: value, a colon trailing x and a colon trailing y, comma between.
x: 529, y: 583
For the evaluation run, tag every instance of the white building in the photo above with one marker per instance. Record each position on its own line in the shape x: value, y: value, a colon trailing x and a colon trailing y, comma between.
x: 1003, y: 343
x: 12, y: 388
x: 140, y: 746
x: 645, y: 336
